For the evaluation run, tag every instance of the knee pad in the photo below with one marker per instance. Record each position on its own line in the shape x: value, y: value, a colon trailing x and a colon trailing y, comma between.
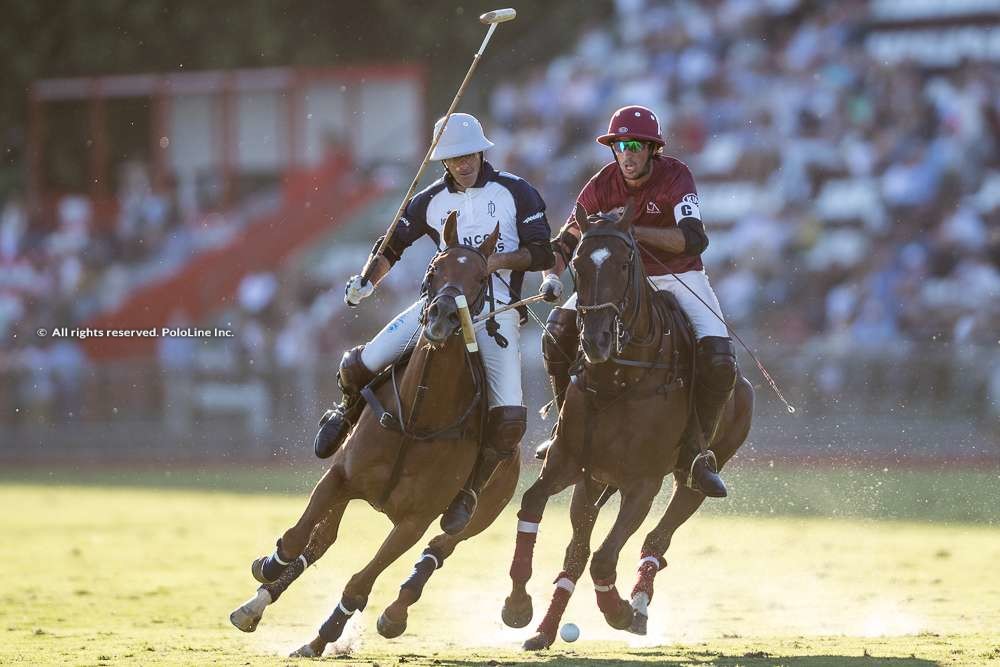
x: 353, y: 374
x: 561, y: 338
x: 506, y: 425
x: 717, y: 363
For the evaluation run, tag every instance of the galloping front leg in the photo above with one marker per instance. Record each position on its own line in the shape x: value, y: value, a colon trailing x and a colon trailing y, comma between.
x: 636, y: 502
x: 683, y: 504
x: 286, y: 568
x: 558, y: 472
x: 355, y: 596
x: 392, y: 622
x: 583, y: 516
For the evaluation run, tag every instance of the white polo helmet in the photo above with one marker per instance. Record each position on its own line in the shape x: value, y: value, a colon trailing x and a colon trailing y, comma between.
x: 463, y: 135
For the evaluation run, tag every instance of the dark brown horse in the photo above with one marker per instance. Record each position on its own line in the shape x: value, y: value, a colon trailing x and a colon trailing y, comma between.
x: 620, y: 427
x: 408, y: 465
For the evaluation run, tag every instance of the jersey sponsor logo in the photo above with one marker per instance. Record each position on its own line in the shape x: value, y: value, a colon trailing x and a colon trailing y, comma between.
x: 532, y: 218
x: 622, y: 130
x: 477, y: 239
x: 651, y: 207
x: 690, y: 198
x: 492, y: 209
x: 404, y: 222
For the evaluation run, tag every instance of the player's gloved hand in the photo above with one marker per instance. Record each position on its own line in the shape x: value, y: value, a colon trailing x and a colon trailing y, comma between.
x: 358, y: 288
x: 551, y: 288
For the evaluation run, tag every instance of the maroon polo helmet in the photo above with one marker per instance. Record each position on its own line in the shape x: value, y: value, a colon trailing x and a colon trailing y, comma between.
x: 633, y: 122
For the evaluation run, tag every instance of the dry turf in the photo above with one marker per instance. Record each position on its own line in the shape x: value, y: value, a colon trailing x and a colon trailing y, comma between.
x: 144, y: 568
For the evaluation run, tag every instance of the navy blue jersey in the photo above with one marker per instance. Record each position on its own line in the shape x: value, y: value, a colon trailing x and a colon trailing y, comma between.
x: 497, y: 197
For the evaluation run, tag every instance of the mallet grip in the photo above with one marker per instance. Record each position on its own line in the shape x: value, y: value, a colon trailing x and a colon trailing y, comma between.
x: 468, y: 332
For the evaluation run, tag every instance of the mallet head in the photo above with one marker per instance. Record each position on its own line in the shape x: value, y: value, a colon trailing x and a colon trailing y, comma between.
x: 498, y: 16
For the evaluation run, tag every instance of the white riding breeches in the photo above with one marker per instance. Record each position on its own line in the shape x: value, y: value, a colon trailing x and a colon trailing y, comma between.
x: 698, y: 310
x: 503, y: 364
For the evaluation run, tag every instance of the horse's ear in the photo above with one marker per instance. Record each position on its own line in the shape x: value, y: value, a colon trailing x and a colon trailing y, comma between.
x: 625, y: 220
x: 581, y: 218
x: 451, y: 230
x: 490, y: 244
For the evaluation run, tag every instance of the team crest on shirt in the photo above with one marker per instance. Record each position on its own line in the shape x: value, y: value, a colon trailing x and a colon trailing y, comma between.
x: 651, y: 207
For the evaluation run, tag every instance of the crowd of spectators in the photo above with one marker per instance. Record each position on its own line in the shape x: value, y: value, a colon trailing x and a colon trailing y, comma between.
x: 60, y: 267
x: 844, y: 196
x: 848, y: 200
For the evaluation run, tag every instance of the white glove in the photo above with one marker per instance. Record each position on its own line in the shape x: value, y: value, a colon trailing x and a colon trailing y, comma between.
x: 551, y: 288
x: 357, y: 289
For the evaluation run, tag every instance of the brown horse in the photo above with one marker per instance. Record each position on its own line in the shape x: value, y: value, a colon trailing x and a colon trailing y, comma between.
x: 408, y: 461
x: 620, y: 427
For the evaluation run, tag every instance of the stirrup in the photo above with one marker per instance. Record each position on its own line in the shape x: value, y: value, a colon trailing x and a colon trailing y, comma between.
x: 475, y: 496
x: 707, y: 454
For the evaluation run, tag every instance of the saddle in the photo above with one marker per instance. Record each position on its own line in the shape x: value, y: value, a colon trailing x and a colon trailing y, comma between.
x: 677, y: 321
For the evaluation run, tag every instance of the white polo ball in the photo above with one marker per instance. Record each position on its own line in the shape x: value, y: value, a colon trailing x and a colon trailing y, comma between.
x: 569, y: 632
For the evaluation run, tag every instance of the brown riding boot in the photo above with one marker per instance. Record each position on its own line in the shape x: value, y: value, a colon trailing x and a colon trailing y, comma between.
x: 559, y: 347
x: 352, y: 377
x: 716, y: 378
x: 505, y: 426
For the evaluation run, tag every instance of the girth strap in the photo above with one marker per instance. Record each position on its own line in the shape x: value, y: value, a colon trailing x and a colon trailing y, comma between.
x: 389, y: 422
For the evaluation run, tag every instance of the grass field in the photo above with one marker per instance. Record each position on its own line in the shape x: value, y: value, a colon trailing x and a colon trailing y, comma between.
x: 128, y: 568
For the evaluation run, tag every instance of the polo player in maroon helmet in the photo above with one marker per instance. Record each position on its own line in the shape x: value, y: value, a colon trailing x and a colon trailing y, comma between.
x: 668, y: 228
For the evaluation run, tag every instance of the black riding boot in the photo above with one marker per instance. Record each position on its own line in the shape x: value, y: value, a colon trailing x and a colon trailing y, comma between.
x: 716, y: 378
x: 505, y: 426
x: 338, y: 421
x: 559, y: 347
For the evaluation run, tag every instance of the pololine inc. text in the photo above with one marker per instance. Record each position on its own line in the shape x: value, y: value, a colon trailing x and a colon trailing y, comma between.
x: 153, y: 332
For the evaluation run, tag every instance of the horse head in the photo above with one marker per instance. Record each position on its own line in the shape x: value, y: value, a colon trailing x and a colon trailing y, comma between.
x: 604, y: 265
x: 457, y: 270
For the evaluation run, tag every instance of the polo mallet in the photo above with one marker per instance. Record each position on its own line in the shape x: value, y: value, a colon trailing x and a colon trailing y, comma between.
x: 492, y: 19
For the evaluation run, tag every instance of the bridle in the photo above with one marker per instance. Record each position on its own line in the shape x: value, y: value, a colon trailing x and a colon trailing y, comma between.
x: 450, y: 289
x: 626, y: 310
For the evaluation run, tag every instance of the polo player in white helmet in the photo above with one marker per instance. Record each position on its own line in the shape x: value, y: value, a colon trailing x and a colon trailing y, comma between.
x: 483, y: 198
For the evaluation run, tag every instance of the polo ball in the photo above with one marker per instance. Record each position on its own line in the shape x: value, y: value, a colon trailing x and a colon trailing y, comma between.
x: 569, y: 632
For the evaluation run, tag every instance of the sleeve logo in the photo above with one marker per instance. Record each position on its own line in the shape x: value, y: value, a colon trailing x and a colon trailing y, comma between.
x: 691, y: 199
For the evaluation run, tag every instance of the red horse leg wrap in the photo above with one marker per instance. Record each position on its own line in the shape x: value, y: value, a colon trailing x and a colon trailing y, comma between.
x: 524, y: 547
x: 608, y: 599
x: 560, y: 598
x: 649, y: 565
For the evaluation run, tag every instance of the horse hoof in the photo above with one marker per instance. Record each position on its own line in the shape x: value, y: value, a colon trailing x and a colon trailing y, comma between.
x: 305, y: 651
x: 539, y: 642
x: 621, y: 619
x: 516, y: 613
x: 257, y: 570
x: 639, y: 623
x: 245, y: 618
x: 389, y: 628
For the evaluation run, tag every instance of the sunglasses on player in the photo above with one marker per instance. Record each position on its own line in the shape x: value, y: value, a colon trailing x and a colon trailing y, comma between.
x: 632, y: 146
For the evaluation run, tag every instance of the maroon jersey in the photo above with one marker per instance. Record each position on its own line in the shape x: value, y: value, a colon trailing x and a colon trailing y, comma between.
x: 668, y: 197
